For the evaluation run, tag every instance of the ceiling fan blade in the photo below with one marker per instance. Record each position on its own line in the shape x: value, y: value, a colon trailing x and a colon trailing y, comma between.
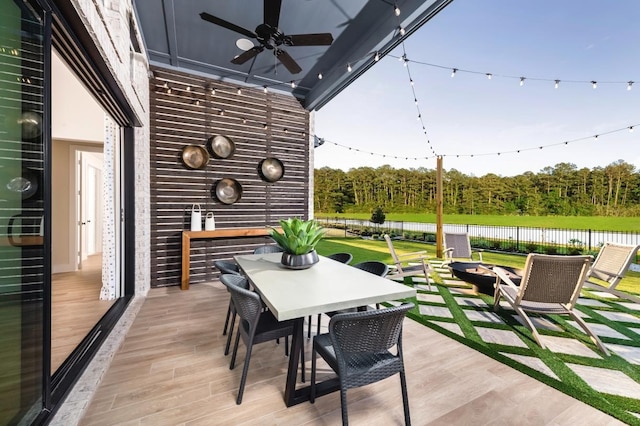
x: 245, y: 56
x: 272, y: 12
x: 322, y: 39
x: 228, y: 25
x: 288, y: 62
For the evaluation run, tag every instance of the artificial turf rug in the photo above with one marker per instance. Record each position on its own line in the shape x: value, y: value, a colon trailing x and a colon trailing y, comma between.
x: 572, y: 363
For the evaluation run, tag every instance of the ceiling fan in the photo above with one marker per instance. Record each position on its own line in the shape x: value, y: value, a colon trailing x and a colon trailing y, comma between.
x: 271, y: 37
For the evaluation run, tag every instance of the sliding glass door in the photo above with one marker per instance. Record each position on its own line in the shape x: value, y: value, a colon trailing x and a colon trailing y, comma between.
x: 22, y: 207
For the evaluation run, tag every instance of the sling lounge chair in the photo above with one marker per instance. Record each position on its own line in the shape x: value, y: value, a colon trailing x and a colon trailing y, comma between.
x: 610, y: 267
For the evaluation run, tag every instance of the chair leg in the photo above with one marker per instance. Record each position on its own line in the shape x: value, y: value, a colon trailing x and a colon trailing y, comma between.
x: 226, y: 320
x: 319, y: 323
x: 245, y: 370
x: 343, y: 405
x: 286, y: 345
x: 230, y: 333
x: 405, y: 398
x: 309, y: 329
x: 302, y: 363
x: 590, y: 333
x: 312, y: 394
x: 530, y: 325
x: 235, y: 351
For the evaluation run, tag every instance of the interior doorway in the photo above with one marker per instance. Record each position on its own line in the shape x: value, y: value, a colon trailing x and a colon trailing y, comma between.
x: 81, y: 132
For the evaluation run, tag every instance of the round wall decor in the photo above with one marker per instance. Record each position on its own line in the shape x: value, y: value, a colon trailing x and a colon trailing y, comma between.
x: 271, y: 169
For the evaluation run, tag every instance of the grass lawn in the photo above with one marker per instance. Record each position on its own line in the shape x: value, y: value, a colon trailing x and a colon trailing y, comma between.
x: 363, y: 250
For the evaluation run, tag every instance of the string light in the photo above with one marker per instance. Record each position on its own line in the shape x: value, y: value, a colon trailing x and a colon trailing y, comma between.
x: 376, y: 57
x: 319, y: 76
x: 628, y: 84
x: 497, y: 153
x: 396, y: 9
x: 293, y: 84
x: 521, y: 81
x: 594, y: 84
x: 213, y: 92
x: 348, y: 67
x: 401, y: 30
x: 266, y: 90
x: 630, y: 129
x: 557, y: 84
x: 453, y: 72
x: 239, y: 91
x: 489, y: 76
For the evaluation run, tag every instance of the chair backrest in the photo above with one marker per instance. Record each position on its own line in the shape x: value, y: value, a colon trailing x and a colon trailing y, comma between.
x: 459, y: 242
x: 613, y: 262
x: 368, y: 331
x: 247, y: 303
x: 553, y: 278
x: 271, y: 248
x: 227, y: 267
x: 374, y: 267
x: 394, y: 255
x: 341, y: 257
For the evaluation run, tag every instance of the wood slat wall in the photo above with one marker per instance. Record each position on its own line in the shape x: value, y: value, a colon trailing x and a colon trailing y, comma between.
x: 185, y: 111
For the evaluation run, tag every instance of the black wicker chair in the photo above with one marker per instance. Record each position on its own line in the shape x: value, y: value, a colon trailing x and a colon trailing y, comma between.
x: 256, y: 326
x: 357, y: 349
x: 226, y: 267
x: 338, y: 257
x: 371, y: 266
x: 271, y: 248
x: 240, y: 281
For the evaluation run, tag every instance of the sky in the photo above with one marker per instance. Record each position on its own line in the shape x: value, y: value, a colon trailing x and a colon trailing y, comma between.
x: 473, y: 121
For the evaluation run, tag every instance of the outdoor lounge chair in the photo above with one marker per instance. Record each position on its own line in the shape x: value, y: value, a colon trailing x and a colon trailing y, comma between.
x: 550, y: 284
x: 610, y: 266
x: 408, y: 264
x: 458, y: 246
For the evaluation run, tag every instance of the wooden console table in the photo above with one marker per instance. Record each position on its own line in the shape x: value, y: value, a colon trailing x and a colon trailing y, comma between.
x: 187, y: 236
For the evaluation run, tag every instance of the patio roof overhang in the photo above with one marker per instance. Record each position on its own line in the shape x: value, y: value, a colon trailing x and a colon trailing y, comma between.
x: 177, y: 37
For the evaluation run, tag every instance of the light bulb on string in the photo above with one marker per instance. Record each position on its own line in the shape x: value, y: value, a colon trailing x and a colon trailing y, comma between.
x: 411, y: 81
x: 376, y: 57
x: 489, y: 76
x: 349, y: 68
x: 557, y: 84
x: 521, y: 81
x: 213, y: 92
x: 319, y: 76
x: 630, y: 129
x: 594, y: 84
x: 396, y: 9
x: 629, y: 84
x: 401, y: 30
x: 239, y: 91
x: 265, y: 90
x: 453, y: 72
x: 293, y: 84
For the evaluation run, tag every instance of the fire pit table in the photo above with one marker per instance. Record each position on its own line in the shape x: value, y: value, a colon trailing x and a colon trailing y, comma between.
x: 482, y: 280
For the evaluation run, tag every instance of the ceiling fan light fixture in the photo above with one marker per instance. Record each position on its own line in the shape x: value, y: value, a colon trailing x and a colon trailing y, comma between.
x: 244, y: 44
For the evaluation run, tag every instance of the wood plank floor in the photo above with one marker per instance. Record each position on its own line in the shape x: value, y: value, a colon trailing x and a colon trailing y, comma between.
x: 171, y: 370
x: 75, y: 307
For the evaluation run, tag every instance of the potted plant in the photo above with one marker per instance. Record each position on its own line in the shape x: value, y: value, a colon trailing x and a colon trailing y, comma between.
x: 298, y: 240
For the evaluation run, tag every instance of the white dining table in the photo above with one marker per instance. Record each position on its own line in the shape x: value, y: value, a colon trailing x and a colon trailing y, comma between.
x: 326, y: 286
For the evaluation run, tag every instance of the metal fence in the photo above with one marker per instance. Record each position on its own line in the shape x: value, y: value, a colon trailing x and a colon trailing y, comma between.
x: 503, y: 238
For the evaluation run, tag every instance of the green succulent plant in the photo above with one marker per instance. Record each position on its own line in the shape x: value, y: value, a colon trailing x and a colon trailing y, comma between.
x: 298, y: 236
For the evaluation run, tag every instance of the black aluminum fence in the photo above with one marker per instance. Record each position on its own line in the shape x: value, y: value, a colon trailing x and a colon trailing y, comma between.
x: 500, y: 238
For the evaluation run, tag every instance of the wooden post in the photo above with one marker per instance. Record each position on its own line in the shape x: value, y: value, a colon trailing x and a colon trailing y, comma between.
x: 439, y: 198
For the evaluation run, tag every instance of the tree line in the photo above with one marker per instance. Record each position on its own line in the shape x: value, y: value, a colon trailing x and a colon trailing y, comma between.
x: 563, y: 190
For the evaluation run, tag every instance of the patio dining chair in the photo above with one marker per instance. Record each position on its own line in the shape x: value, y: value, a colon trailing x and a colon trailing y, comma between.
x: 373, y: 267
x: 610, y: 267
x: 408, y: 264
x: 256, y: 326
x: 357, y: 348
x: 338, y: 257
x: 239, y: 281
x: 226, y: 267
x: 458, y: 246
x: 550, y: 284
x: 268, y: 248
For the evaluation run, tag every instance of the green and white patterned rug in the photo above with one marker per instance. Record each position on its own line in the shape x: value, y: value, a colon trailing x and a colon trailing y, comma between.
x: 571, y: 364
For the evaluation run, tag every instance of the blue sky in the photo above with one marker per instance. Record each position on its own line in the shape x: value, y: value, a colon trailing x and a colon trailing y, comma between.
x: 580, y: 40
